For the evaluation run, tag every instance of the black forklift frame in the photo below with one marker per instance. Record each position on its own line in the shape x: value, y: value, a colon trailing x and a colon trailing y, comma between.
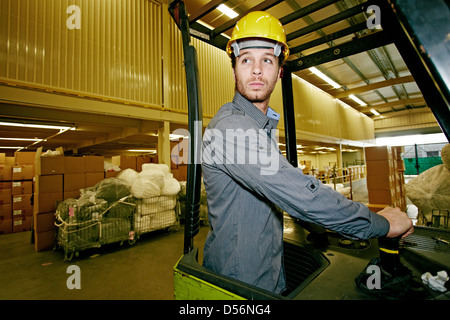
x: 423, y: 49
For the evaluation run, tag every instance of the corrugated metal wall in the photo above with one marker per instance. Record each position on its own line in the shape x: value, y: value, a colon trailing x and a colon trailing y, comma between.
x: 130, y: 51
x: 319, y: 113
x: 216, y: 78
x: 115, y: 51
x: 406, y: 120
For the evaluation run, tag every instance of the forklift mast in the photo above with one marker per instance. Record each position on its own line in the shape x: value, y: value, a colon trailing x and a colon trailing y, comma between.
x: 418, y: 28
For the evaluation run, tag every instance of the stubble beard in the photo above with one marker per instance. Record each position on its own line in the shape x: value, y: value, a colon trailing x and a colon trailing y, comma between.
x: 254, y: 96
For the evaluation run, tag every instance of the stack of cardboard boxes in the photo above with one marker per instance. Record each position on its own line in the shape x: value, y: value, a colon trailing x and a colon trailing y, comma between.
x: 32, y: 184
x: 22, y: 191
x: 48, y: 180
x: 385, y: 177
x: 6, y: 164
x: 59, y: 178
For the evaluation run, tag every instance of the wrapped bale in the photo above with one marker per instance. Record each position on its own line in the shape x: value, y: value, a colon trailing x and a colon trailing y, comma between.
x: 145, y: 188
x: 128, y: 175
x: 111, y: 189
x: 430, y: 190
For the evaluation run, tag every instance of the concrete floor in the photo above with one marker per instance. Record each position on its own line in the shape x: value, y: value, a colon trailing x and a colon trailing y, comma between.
x: 139, y: 271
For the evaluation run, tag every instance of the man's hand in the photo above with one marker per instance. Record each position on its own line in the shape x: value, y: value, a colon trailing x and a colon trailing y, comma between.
x: 400, y: 223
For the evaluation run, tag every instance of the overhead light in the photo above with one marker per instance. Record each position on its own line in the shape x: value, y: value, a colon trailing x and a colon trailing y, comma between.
x: 375, y: 112
x: 11, y: 147
x: 38, y: 126
x: 227, y: 11
x: 172, y: 136
x: 357, y: 100
x: 325, y: 78
x: 20, y: 139
x: 142, y: 150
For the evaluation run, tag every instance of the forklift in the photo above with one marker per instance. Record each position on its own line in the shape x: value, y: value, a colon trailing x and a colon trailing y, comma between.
x: 321, y: 264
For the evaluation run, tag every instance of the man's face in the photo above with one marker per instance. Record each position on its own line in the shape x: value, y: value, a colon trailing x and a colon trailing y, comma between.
x: 256, y: 73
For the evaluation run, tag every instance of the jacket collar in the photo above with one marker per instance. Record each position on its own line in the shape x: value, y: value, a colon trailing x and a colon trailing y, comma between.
x: 269, y: 121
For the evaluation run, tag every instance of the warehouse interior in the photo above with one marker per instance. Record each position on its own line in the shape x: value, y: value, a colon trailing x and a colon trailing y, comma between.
x: 103, y: 84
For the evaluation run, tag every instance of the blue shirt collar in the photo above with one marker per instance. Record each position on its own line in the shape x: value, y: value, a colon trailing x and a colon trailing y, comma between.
x: 250, y: 109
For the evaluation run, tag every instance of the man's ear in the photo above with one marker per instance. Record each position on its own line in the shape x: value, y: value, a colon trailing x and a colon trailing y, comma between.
x: 280, y: 73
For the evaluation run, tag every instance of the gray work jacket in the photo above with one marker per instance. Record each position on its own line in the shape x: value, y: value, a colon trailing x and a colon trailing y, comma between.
x: 249, y: 183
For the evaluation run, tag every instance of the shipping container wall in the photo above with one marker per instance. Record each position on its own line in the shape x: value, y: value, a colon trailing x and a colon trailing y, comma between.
x: 215, y: 75
x: 407, y: 120
x: 131, y: 52
x: 105, y: 49
x: 319, y: 113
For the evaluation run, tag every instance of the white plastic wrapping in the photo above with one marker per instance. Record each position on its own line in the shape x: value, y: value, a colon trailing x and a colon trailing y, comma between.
x: 145, y: 188
x: 171, y: 187
x: 128, y: 175
x: 431, y: 189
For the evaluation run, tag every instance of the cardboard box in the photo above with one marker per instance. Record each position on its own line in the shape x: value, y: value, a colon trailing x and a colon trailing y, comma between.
x: 23, y: 172
x: 48, y: 183
x: 180, y: 173
x: 74, y: 181
x: 379, y: 167
x: 5, y: 196
x: 94, y: 163
x: 9, y: 161
x: 6, y: 212
x: 24, y: 157
x: 71, y: 194
x: 124, y: 162
x: 44, y: 221
x: 21, y: 204
x: 375, y: 207
x: 21, y: 224
x: 5, y: 185
x: 400, y: 165
x: 5, y: 172
x: 384, y: 182
x: 5, y: 226
x: 44, y: 240
x: 382, y: 196
x: 74, y: 165
x: 45, y: 165
x: 46, y: 202
x: 140, y: 160
x: 378, y: 153
x: 22, y: 212
x: 92, y: 178
x: 21, y: 187
x: 111, y: 174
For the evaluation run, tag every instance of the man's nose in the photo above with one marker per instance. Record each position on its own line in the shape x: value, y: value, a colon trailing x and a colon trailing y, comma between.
x: 257, y: 70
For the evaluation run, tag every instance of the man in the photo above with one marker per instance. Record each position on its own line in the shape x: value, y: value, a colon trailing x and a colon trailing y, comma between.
x: 248, y: 181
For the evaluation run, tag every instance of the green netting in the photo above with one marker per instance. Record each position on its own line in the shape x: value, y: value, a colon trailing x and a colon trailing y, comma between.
x: 424, y: 164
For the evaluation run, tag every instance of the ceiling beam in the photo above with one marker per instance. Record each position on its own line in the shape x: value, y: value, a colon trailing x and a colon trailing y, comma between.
x: 393, y: 104
x: 210, y: 6
x: 373, y: 86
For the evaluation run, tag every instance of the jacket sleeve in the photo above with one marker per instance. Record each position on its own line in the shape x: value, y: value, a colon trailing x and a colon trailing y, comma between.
x: 254, y: 161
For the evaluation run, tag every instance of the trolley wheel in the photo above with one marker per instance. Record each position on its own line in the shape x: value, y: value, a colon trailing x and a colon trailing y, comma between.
x: 68, y: 256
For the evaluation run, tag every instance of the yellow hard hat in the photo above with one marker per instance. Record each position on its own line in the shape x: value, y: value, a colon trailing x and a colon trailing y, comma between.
x: 262, y: 25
